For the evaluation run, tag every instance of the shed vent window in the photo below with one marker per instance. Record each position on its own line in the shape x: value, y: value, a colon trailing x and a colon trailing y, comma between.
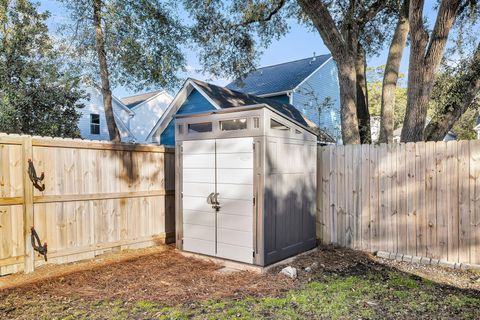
x: 235, y: 124
x: 277, y: 125
x: 256, y: 123
x: 94, y: 123
x: 200, y: 127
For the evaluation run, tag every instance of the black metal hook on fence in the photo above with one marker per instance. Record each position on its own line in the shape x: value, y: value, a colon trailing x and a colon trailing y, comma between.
x: 33, y: 176
x: 39, y: 248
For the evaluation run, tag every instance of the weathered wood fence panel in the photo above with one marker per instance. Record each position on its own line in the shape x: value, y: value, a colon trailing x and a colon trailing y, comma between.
x: 417, y: 199
x: 98, y: 197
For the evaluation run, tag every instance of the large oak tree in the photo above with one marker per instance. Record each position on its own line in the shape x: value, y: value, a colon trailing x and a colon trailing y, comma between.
x: 230, y: 35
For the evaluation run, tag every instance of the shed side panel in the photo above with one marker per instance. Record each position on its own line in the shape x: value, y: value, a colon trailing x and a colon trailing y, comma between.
x: 290, y: 187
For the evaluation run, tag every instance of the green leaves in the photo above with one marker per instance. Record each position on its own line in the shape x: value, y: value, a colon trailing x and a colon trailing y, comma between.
x: 143, y: 39
x: 232, y: 34
x: 36, y: 95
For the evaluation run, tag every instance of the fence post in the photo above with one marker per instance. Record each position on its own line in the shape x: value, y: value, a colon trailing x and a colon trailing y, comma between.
x: 29, y: 261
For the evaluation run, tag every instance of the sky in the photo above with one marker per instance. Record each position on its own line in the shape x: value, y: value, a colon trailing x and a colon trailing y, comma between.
x: 297, y: 44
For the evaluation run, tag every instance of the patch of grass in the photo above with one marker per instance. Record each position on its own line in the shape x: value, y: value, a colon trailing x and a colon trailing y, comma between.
x: 146, y: 306
x: 461, y: 301
x: 399, y: 280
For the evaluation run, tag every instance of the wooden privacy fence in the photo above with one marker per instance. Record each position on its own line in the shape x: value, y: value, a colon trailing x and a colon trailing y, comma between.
x: 419, y: 199
x: 98, y: 197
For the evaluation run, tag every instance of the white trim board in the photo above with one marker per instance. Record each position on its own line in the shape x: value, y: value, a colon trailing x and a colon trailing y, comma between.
x: 176, y: 103
x: 151, y: 98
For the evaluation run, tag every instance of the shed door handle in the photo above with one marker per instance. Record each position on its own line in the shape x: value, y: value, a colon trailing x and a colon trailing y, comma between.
x: 210, y: 198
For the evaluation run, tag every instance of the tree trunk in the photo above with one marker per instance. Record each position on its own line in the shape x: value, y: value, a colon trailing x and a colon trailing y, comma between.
x: 424, y: 62
x: 102, y: 59
x: 362, y: 96
x: 390, y: 77
x: 344, y: 57
x: 348, y: 98
x: 466, y: 89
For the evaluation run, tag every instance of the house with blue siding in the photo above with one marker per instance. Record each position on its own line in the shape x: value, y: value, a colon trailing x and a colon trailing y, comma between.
x: 198, y: 96
x: 311, y: 85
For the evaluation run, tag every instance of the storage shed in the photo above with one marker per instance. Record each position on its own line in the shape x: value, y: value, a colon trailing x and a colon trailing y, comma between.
x: 246, y: 181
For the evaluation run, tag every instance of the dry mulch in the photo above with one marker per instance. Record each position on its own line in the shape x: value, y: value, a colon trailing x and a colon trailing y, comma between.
x: 165, y: 277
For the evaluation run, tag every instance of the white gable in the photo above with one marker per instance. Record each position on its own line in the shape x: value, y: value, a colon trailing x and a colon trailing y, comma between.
x: 147, y: 115
x: 94, y: 105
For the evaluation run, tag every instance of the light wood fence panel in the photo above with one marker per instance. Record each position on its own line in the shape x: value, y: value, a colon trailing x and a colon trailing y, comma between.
x: 98, y: 197
x: 417, y: 199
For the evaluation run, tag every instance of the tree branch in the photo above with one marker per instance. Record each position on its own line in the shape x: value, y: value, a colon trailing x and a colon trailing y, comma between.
x: 443, y: 24
x: 323, y: 22
x: 371, y: 12
x: 462, y: 94
x: 269, y: 17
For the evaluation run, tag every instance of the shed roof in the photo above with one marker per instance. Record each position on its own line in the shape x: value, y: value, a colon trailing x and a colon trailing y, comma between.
x: 135, y: 100
x: 280, y: 77
x: 227, y: 98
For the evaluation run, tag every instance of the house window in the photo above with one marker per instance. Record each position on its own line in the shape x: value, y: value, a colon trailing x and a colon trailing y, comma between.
x: 200, y: 127
x: 94, y: 123
x: 277, y: 125
x: 235, y: 124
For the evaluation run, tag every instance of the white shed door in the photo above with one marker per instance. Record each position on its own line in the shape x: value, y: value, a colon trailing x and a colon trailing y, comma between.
x: 198, y: 182
x: 235, y: 195
x: 225, y: 167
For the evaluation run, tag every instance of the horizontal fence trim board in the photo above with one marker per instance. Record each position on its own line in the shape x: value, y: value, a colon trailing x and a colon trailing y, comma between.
x: 102, y: 196
x: 11, y: 260
x: 78, y: 144
x: 11, y: 139
x: 159, y: 239
x: 11, y: 201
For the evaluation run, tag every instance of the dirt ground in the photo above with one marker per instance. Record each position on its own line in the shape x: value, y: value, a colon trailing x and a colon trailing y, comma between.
x: 161, y: 283
x: 165, y: 277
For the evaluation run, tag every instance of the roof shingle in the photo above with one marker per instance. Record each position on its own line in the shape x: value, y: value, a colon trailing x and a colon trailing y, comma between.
x: 278, y: 78
x: 135, y: 100
x: 226, y: 98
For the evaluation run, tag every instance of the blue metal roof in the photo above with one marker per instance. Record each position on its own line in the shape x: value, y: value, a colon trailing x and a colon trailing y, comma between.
x: 278, y: 78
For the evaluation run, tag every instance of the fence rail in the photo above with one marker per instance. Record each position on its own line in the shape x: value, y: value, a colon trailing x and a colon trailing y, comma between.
x: 418, y: 199
x: 98, y: 197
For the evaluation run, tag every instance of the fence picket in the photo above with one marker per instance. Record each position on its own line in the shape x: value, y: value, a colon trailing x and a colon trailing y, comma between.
x: 463, y: 201
x: 365, y: 200
x: 421, y: 217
